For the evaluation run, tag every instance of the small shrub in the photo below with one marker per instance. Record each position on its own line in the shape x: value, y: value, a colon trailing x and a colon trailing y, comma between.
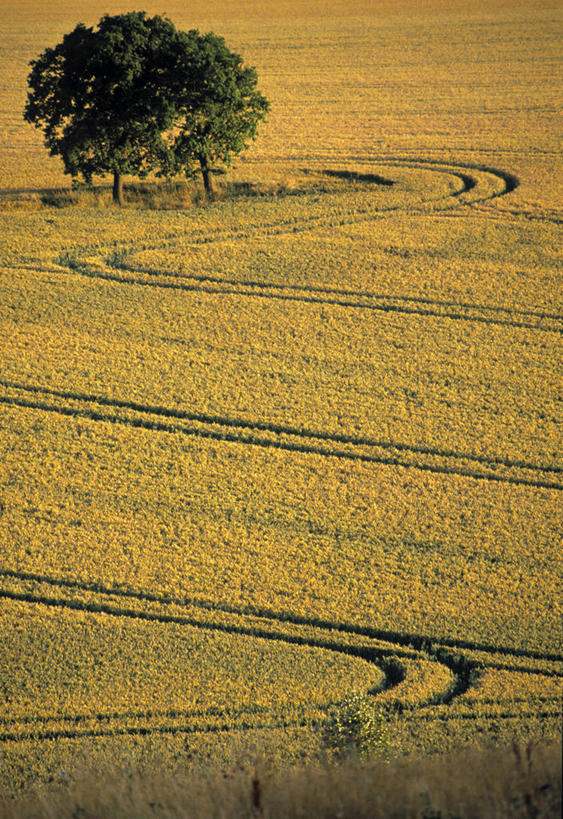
x: 356, y: 728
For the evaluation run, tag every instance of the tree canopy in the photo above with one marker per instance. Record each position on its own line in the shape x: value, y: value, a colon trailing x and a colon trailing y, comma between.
x: 135, y: 96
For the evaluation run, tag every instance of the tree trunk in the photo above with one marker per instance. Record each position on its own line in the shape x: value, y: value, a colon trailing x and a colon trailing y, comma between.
x: 118, y: 189
x: 207, y: 177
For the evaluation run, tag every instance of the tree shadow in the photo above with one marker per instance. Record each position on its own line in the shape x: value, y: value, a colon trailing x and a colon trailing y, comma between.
x: 354, y: 176
x: 175, y: 194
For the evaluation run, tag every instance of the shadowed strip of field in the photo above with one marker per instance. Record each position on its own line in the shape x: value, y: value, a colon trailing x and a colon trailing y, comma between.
x: 286, y: 438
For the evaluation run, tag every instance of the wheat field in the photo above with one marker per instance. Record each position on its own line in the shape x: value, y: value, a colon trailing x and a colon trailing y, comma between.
x: 302, y: 441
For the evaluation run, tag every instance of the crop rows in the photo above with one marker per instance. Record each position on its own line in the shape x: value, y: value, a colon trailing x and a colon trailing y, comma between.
x: 280, y: 437
x: 302, y: 441
x: 414, y: 671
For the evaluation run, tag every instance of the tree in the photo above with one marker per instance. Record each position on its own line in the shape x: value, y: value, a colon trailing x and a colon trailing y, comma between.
x: 221, y: 109
x: 136, y: 97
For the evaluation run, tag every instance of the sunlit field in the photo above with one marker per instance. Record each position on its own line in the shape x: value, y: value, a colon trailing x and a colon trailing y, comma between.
x: 302, y: 441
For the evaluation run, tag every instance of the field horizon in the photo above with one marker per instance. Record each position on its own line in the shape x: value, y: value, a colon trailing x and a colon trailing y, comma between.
x: 303, y: 441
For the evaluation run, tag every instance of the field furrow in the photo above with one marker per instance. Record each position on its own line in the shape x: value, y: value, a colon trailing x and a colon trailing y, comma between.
x: 293, y: 440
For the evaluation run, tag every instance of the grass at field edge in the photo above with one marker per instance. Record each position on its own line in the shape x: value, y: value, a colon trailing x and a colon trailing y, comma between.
x: 521, y: 780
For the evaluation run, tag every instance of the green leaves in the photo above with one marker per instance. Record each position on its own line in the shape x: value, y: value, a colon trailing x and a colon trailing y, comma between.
x: 356, y: 727
x: 219, y: 106
x: 136, y: 96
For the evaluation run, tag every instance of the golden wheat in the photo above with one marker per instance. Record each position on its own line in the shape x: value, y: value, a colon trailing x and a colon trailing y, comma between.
x: 304, y: 440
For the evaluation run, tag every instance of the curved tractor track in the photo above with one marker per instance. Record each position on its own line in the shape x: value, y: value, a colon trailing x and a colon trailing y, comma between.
x: 471, y: 185
x: 448, y: 668
x: 406, y: 660
x: 267, y: 435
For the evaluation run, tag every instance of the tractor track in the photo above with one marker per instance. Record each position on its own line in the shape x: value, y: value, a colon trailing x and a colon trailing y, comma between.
x: 61, y: 593
x: 474, y: 187
x: 280, y: 437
